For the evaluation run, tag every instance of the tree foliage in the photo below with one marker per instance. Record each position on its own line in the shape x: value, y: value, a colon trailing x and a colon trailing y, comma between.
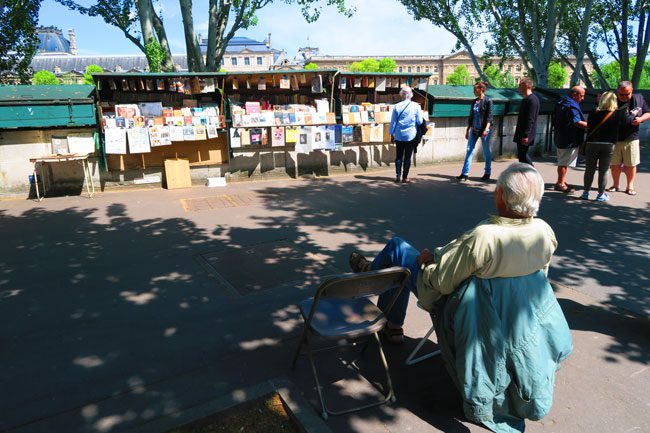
x: 460, y: 77
x: 311, y: 66
x: 155, y: 56
x: 141, y: 23
x: 386, y: 64
x: 88, y: 78
x: 612, y: 74
x: 44, y: 78
x: 18, y: 42
x: 556, y: 75
x: 497, y: 79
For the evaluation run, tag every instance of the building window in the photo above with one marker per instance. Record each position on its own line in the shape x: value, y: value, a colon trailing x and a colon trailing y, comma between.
x: 435, y: 68
x: 519, y: 67
x: 426, y: 69
x: 409, y: 69
x: 435, y: 81
x: 417, y: 69
x: 259, y: 61
x: 247, y: 61
x: 401, y: 69
x: 233, y: 60
x: 223, y: 61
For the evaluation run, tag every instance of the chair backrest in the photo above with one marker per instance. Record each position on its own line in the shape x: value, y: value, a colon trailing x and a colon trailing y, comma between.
x: 364, y: 283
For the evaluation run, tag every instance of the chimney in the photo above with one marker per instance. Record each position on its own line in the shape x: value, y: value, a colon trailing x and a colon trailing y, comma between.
x: 73, y: 42
x: 268, y: 42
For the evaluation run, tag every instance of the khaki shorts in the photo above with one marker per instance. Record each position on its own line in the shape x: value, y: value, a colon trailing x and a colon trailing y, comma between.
x: 567, y: 157
x: 626, y: 152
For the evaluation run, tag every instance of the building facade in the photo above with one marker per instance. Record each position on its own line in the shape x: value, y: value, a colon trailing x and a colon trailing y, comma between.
x: 440, y: 66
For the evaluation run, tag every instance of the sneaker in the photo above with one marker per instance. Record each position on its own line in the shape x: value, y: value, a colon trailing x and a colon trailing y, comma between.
x: 358, y: 263
x: 602, y: 197
x: 397, y: 179
x: 585, y: 195
x: 486, y: 177
x: 462, y: 178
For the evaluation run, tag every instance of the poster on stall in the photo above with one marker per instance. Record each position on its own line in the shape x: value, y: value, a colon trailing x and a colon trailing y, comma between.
x: 291, y: 134
x: 200, y: 132
x: 176, y: 133
x: 115, y: 141
x: 212, y: 131
x: 235, y: 138
x: 81, y: 144
x: 139, y: 140
x: 277, y: 136
x: 305, y: 139
x: 188, y: 133
x: 330, y: 141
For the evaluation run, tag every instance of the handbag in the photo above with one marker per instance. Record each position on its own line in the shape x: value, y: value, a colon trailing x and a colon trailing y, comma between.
x: 582, y: 150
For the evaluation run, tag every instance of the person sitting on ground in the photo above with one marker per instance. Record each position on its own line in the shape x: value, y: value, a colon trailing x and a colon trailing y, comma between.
x: 511, y: 244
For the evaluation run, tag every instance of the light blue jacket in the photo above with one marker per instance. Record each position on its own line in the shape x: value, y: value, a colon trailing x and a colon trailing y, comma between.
x: 502, y: 340
x: 406, y: 116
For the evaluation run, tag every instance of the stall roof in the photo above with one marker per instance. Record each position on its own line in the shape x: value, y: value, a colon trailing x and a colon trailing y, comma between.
x: 389, y: 74
x: 47, y: 106
x: 11, y: 95
x: 461, y: 93
x: 207, y: 74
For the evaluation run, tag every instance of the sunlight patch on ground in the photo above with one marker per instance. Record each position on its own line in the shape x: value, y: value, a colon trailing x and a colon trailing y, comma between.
x: 89, y: 361
x: 139, y: 299
x: 256, y: 344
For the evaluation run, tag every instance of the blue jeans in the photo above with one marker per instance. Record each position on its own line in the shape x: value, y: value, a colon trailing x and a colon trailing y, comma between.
x: 398, y: 252
x: 471, y: 143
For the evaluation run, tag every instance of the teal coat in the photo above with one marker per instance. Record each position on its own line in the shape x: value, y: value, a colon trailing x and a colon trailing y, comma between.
x: 502, y: 340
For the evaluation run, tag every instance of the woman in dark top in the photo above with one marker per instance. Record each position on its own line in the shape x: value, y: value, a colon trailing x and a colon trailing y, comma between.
x: 478, y: 126
x: 602, y: 134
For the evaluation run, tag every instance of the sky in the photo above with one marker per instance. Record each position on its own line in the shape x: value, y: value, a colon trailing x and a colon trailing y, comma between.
x: 377, y: 28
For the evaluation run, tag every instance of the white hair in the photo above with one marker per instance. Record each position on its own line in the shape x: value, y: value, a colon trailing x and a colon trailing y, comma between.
x: 405, y: 92
x: 522, y: 187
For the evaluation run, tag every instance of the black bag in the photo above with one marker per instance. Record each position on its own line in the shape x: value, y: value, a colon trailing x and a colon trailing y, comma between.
x: 420, y: 130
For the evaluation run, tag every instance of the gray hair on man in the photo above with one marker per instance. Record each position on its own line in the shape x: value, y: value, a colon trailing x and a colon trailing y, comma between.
x: 623, y: 84
x: 405, y: 93
x: 522, y: 187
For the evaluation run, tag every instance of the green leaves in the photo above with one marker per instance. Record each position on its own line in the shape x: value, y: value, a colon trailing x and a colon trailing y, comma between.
x: 155, y: 56
x: 42, y: 78
x: 18, y: 42
x: 386, y: 64
x: 88, y: 78
x: 460, y: 77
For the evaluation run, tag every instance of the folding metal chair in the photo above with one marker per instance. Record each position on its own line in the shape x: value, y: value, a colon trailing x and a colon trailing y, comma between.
x: 411, y: 360
x: 341, y: 310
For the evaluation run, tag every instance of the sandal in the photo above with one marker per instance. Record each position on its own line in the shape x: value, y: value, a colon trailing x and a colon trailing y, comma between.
x: 563, y: 188
x: 612, y: 189
x: 630, y: 191
x: 358, y: 263
x: 393, y: 335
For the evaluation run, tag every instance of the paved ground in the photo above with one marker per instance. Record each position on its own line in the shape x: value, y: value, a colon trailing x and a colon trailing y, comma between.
x: 135, y: 306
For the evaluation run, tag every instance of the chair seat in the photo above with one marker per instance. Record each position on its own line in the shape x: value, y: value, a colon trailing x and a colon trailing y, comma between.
x: 337, y: 318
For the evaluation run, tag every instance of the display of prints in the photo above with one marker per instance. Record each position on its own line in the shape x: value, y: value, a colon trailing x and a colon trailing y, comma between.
x: 330, y: 140
x: 154, y: 137
x: 176, y: 133
x: 110, y: 122
x: 284, y: 82
x: 291, y: 134
x: 235, y: 138
x: 115, y: 141
x: 127, y: 111
x: 347, y: 134
x: 235, y: 84
x: 303, y: 145
x: 338, y: 134
x: 81, y: 144
x: 59, y: 146
x: 200, y: 132
x: 277, y: 136
x: 317, y: 84
x: 261, y: 83
x: 256, y: 136
x: 357, y: 81
x: 343, y: 83
x: 381, y: 84
x: 150, y: 109
x: 139, y: 140
x: 188, y: 132
x: 245, y: 137
x: 208, y: 86
x: 212, y: 131
x: 376, y: 133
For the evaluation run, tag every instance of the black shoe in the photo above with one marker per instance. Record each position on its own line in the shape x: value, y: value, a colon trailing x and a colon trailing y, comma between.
x: 486, y: 177
x: 397, y: 179
x: 461, y: 178
x: 358, y: 263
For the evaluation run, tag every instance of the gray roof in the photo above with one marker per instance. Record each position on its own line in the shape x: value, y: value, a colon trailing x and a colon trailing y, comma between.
x: 108, y: 63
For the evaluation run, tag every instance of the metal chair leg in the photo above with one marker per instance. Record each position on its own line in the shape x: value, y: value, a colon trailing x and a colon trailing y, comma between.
x: 411, y: 360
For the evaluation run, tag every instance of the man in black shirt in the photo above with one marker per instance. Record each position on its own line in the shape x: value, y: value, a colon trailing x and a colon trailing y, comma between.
x: 526, y: 121
x: 626, y: 150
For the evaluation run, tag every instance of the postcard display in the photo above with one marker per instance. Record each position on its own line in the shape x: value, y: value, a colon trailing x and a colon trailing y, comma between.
x: 146, y: 120
x: 282, y: 112
x: 367, y: 105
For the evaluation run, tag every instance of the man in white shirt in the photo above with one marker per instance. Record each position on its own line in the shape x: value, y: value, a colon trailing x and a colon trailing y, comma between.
x: 511, y: 244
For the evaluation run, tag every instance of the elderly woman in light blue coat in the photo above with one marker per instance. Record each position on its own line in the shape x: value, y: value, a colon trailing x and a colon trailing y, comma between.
x: 403, y: 128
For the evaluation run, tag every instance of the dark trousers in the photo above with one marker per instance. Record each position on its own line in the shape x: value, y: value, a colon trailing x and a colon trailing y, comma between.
x: 522, y: 152
x: 403, y: 157
x: 598, y: 154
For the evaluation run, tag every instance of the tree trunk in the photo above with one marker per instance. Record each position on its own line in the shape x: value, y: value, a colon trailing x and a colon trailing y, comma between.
x: 145, y: 14
x: 194, y: 57
x: 168, y: 61
x: 216, y: 28
x: 624, y: 54
x: 599, y: 72
x: 582, y: 44
x: 643, y: 39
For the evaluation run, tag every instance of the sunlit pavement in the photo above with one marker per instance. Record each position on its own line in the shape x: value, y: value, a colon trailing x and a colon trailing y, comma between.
x: 134, y: 307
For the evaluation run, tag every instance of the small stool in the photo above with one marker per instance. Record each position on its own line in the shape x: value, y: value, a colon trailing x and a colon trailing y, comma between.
x: 412, y: 360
